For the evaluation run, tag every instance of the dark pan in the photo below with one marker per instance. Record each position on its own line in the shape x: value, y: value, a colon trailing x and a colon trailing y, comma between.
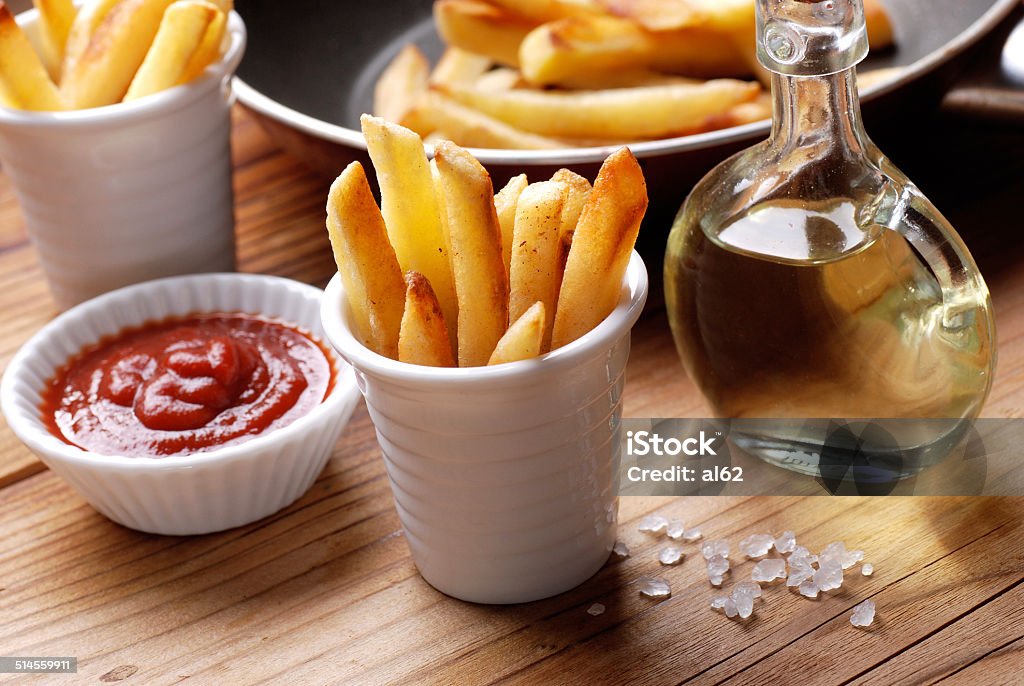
x: 310, y: 67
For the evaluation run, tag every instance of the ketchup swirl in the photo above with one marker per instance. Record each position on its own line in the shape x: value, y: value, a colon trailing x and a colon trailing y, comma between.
x: 187, y: 385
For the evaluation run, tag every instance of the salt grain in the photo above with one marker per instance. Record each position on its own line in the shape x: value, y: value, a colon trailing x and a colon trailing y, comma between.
x: 652, y: 524
x: 691, y: 535
x: 717, y: 568
x: 809, y: 589
x: 756, y: 545
x: 769, y: 570
x: 785, y: 542
x: 746, y: 588
x: 802, y: 553
x: 829, y: 576
x: 653, y: 587
x: 596, y: 609
x: 715, y: 548
x: 799, y: 571
x: 670, y: 556
x: 675, y: 530
x: 620, y: 549
x: 718, y: 603
x: 864, y: 614
x: 852, y: 557
x: 867, y: 569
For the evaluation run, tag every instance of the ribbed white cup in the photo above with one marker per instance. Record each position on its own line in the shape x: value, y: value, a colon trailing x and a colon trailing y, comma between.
x: 191, y: 494
x: 505, y: 477
x: 135, y: 191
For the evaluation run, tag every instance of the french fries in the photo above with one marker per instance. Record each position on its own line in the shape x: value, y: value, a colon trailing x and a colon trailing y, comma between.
x: 180, y: 37
x: 536, y: 270
x: 423, y: 338
x: 366, y: 261
x: 472, y: 128
x: 55, y: 19
x: 505, y: 203
x: 108, y: 51
x: 25, y: 82
x: 524, y: 339
x: 458, y: 66
x: 411, y: 209
x: 558, y: 62
x: 116, y: 49
x: 401, y: 85
x: 624, y: 113
x: 481, y: 28
x: 557, y: 52
x: 601, y: 247
x: 475, y: 239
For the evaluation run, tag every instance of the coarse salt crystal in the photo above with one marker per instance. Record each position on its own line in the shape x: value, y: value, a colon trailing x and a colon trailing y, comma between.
x: 596, y: 609
x: 864, y: 614
x: 769, y: 570
x: 620, y: 549
x: 712, y: 548
x: 867, y: 569
x: 747, y: 588
x: 717, y: 567
x: 718, y: 602
x: 829, y: 576
x: 653, y: 587
x: 785, y: 542
x: 757, y: 545
x: 670, y: 556
x: 799, y: 571
x: 691, y: 535
x: 809, y: 589
x: 802, y: 553
x: 652, y: 524
x: 852, y: 557
x: 675, y: 530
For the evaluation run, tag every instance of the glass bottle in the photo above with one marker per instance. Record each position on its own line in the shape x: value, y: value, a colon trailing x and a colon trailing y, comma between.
x: 807, y: 277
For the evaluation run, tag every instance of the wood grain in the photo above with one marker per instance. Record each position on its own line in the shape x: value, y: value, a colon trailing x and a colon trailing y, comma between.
x: 325, y: 591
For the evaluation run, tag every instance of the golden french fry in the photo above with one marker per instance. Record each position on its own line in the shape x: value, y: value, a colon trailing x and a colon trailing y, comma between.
x: 541, y: 11
x: 401, y: 84
x: 505, y: 203
x: 458, y: 66
x: 625, y: 78
x: 524, y: 338
x: 209, y: 49
x: 7, y: 98
x: 366, y: 261
x: 475, y: 253
x: 482, y: 29
x: 758, y: 109
x: 411, y: 208
x: 501, y: 79
x: 116, y: 49
x: 424, y: 335
x: 880, y: 30
x: 471, y: 128
x: 601, y: 248
x: 55, y: 19
x: 82, y: 28
x: 576, y: 200
x: 536, y: 268
x: 624, y: 113
x: 178, y: 39
x: 657, y: 15
x: 25, y: 81
x: 575, y: 47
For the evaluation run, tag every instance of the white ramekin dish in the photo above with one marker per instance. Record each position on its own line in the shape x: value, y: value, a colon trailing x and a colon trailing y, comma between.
x: 505, y: 478
x: 129, y: 192
x: 203, y: 492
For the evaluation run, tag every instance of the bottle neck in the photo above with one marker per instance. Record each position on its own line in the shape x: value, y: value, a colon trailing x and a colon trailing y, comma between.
x: 818, y: 115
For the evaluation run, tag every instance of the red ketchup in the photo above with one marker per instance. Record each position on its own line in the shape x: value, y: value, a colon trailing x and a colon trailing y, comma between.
x: 188, y: 385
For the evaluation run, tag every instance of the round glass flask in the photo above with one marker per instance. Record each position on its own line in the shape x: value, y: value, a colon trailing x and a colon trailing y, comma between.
x: 807, y: 278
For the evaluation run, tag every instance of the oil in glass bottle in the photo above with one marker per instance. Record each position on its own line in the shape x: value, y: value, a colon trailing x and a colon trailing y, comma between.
x: 807, y: 277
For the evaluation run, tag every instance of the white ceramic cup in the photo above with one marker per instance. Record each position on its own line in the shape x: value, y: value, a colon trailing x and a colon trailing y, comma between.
x: 130, y: 192
x: 505, y: 477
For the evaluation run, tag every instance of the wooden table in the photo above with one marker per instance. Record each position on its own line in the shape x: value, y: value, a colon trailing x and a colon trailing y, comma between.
x: 325, y: 591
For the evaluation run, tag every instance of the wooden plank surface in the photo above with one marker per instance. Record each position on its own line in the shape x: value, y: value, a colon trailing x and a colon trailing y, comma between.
x: 325, y: 591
